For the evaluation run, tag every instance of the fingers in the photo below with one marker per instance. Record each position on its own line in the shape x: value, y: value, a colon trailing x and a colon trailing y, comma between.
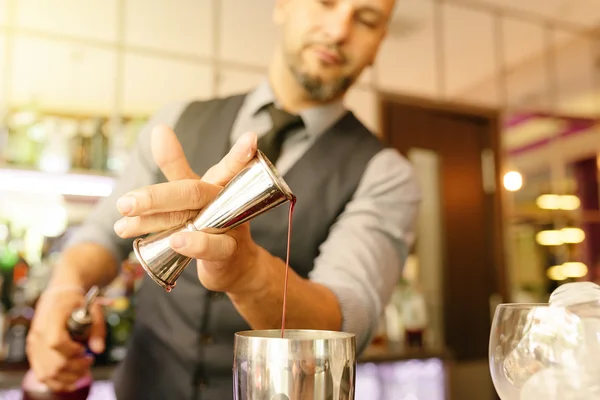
x: 98, y: 329
x: 168, y: 154
x: 63, y: 375
x: 54, y: 368
x: 204, y: 246
x: 184, y: 192
x: 170, y: 157
x: 129, y: 227
x: 57, y: 338
x: 234, y: 161
x: 187, y: 194
x: 55, y: 358
x: 57, y: 367
x: 77, y: 366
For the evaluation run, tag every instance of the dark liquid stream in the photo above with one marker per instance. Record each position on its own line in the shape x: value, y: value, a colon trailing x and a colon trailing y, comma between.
x: 287, y: 265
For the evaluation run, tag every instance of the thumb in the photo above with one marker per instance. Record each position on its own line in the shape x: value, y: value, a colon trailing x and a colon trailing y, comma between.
x: 169, y: 156
x: 98, y: 330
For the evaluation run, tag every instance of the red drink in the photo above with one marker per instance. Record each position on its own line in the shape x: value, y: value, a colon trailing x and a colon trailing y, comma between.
x: 34, y: 390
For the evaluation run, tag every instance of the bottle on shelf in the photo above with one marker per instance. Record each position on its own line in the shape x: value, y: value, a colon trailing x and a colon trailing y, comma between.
x: 3, y: 327
x: 18, y: 321
x: 55, y: 156
x: 24, y: 140
x: 99, y: 146
x: 414, y: 315
x: 9, y: 257
x: 81, y: 145
x: 78, y: 325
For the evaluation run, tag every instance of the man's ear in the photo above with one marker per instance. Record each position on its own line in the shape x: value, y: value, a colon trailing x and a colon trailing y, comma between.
x: 279, y: 11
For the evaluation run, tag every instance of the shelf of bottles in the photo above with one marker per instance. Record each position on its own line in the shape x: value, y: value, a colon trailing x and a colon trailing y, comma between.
x: 59, y: 142
x: 53, y: 167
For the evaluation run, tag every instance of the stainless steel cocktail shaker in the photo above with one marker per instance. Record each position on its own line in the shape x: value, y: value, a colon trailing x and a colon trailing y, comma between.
x: 304, y: 364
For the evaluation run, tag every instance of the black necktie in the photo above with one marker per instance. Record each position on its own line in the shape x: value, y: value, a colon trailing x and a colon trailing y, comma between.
x: 270, y: 143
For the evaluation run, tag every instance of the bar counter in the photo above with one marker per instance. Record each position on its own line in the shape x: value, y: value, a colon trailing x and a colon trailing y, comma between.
x: 395, y: 351
x: 11, y: 378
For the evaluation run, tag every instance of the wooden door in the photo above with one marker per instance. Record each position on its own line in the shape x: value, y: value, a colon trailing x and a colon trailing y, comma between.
x: 469, y: 203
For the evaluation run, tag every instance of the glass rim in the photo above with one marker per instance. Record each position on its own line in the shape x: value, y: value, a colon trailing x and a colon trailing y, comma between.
x: 294, y: 334
x: 275, y: 176
x: 523, y: 305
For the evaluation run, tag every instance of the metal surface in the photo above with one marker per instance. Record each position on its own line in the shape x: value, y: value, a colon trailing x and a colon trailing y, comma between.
x: 254, y: 190
x: 80, y: 321
x: 305, y: 364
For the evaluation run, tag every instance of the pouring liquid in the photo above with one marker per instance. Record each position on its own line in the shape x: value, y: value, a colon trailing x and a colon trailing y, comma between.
x: 287, y: 265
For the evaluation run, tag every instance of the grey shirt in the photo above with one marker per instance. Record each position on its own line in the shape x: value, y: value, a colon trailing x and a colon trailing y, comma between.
x: 362, y: 258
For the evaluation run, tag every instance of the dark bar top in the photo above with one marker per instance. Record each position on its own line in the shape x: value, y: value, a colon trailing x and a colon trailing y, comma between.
x: 397, y: 351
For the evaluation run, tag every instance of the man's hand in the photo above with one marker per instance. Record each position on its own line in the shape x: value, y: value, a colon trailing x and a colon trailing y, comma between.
x: 230, y: 262
x: 225, y: 261
x: 55, y: 359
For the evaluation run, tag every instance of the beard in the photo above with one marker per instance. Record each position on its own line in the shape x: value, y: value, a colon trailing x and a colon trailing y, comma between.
x: 317, y: 88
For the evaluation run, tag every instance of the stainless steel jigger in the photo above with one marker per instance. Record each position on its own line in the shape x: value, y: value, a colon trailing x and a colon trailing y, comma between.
x: 304, y: 364
x: 257, y: 188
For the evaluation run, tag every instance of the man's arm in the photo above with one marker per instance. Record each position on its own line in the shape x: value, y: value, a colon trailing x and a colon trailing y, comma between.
x: 93, y: 254
x: 358, y: 266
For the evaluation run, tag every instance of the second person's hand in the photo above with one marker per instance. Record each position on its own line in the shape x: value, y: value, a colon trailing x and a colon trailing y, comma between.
x: 56, y: 360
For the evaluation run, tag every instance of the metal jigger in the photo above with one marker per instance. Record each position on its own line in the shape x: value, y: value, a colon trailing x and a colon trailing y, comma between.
x: 254, y: 190
x: 304, y: 364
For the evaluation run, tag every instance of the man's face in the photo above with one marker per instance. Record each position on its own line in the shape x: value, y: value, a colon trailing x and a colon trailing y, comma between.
x: 328, y: 43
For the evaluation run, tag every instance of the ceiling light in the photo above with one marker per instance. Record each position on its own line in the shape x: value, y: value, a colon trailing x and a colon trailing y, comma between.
x: 548, y: 202
x: 569, y: 202
x: 513, y: 181
x: 549, y: 238
x: 558, y: 202
x: 574, y: 269
x: 555, y: 273
x: 572, y: 235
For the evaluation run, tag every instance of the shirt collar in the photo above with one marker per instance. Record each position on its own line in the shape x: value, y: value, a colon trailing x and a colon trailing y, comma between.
x: 316, y: 119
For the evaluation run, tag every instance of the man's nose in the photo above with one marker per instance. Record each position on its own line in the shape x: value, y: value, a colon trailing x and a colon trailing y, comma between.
x: 338, y: 25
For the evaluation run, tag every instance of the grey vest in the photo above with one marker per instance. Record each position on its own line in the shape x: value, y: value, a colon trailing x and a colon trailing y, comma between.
x: 182, y: 344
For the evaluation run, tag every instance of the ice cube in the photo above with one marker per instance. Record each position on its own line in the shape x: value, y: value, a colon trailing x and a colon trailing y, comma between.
x: 557, y: 356
x: 558, y: 384
x: 552, y: 336
x: 588, y: 354
x: 575, y: 293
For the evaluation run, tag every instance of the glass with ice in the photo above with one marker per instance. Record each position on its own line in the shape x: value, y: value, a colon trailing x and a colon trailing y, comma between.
x: 548, y: 351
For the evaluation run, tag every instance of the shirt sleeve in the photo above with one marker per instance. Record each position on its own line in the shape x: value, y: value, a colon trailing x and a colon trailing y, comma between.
x: 362, y: 259
x: 139, y: 171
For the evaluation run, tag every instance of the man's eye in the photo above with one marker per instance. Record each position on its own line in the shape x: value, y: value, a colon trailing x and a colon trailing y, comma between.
x: 327, y: 3
x: 368, y: 23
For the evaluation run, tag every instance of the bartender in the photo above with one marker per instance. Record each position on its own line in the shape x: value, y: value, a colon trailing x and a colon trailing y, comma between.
x: 352, y: 227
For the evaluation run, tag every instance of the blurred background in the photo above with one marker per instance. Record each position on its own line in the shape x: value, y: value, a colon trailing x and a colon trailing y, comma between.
x: 496, y: 103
